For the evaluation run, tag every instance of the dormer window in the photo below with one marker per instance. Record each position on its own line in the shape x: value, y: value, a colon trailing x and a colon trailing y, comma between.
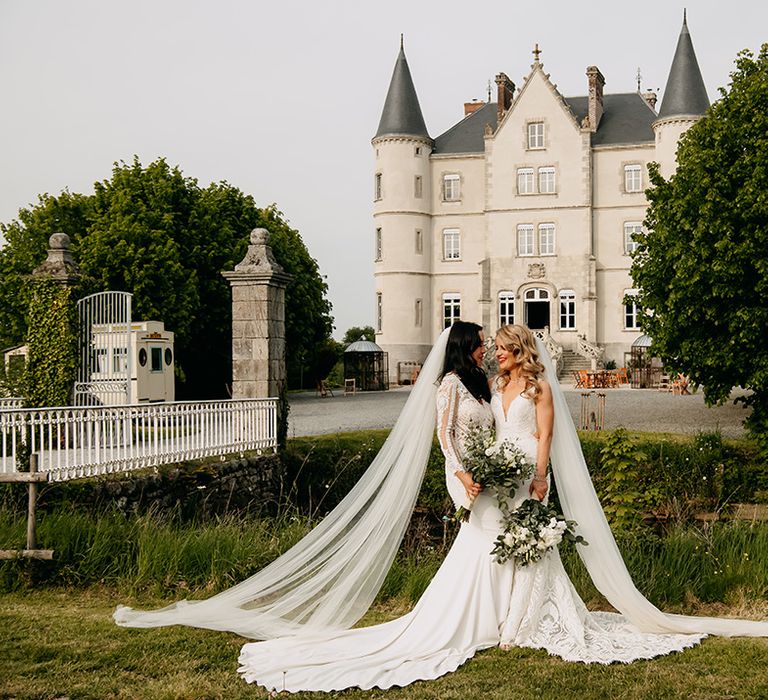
x: 535, y: 135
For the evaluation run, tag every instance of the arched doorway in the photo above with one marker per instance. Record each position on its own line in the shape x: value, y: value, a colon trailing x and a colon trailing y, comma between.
x: 536, y: 308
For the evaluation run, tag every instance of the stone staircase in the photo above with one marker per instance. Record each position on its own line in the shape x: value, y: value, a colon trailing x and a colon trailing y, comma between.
x: 573, y: 361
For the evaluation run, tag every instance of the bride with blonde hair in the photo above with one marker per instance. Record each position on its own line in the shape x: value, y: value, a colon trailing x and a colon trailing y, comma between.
x: 305, y: 601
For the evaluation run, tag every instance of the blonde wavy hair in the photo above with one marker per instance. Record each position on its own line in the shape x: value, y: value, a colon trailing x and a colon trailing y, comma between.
x: 520, y: 342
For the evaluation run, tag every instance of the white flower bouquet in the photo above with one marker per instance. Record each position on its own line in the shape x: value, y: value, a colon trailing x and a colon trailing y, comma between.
x: 531, y: 531
x: 500, y: 467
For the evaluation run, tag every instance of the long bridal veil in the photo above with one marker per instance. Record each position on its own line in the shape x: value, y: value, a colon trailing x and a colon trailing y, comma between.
x: 330, y: 577
x: 602, y: 557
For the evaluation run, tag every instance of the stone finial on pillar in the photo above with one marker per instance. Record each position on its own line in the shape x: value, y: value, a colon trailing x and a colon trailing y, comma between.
x: 258, y: 321
x: 59, y: 265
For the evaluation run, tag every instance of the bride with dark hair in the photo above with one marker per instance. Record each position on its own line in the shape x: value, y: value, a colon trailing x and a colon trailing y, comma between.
x: 305, y: 601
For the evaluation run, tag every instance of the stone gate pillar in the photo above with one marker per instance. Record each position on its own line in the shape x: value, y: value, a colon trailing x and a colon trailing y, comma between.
x: 258, y: 321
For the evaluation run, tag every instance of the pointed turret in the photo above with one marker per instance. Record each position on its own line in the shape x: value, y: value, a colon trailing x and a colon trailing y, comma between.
x: 685, y: 94
x: 402, y: 113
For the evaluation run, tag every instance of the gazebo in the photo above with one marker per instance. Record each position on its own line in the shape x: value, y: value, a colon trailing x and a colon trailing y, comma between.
x: 645, y: 369
x: 368, y: 365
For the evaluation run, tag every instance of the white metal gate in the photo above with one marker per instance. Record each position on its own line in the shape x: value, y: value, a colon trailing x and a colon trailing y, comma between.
x: 105, y: 357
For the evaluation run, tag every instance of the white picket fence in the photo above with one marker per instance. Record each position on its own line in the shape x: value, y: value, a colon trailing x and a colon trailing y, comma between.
x: 74, y: 442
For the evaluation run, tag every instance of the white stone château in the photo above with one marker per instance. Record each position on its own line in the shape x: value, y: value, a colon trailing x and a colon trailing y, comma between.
x: 523, y: 211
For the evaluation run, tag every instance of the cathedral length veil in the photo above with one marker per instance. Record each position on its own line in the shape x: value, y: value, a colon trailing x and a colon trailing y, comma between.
x: 329, y: 579
x: 602, y: 557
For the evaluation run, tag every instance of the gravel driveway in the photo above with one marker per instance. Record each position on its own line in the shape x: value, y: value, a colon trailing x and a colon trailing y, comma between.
x: 637, y: 409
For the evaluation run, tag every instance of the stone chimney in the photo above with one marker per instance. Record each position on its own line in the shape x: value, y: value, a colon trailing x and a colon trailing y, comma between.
x: 596, y: 84
x: 470, y: 107
x: 506, y: 90
x: 651, y: 98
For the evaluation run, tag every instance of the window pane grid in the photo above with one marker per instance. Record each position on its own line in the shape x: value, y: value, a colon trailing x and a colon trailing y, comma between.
x: 451, y: 188
x: 525, y: 181
x: 633, y: 178
x: 536, y: 135
x: 567, y: 309
x: 451, y: 309
x: 451, y: 244
x: 546, y: 239
x: 547, y: 180
x: 506, y: 308
x: 631, y: 229
x: 525, y: 239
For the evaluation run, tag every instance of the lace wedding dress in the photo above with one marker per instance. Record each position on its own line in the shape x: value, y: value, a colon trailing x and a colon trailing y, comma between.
x: 472, y: 603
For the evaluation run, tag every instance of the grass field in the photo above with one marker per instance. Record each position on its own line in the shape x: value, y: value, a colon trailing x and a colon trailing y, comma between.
x: 62, y: 643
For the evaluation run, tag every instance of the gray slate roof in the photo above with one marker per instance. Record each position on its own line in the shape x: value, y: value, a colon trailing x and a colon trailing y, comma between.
x: 685, y: 93
x: 627, y: 119
x: 402, y: 113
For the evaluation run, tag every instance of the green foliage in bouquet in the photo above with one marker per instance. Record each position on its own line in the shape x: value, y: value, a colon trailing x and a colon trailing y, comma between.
x: 532, y: 530
x: 498, y: 466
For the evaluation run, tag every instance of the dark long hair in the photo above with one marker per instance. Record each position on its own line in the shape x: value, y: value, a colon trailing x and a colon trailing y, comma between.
x: 463, y: 340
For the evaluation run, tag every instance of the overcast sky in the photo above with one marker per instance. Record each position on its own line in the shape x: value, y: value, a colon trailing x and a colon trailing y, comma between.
x: 281, y: 99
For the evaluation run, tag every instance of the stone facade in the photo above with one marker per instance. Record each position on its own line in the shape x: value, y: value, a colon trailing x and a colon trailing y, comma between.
x: 521, y: 212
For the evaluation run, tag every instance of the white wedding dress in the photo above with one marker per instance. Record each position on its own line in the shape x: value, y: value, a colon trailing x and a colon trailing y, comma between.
x: 472, y: 603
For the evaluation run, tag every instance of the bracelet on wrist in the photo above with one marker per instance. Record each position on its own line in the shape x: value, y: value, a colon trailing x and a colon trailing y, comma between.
x: 540, y: 479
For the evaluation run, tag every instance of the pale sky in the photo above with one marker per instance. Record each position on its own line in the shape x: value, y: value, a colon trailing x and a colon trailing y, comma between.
x: 281, y: 99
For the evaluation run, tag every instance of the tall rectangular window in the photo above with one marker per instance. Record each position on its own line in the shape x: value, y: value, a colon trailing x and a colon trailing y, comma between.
x: 451, y: 244
x: 377, y: 186
x: 632, y: 229
x: 567, y: 309
x: 418, y: 314
x: 525, y: 239
x: 631, y: 317
x: 535, y: 135
x: 418, y: 242
x: 525, y: 181
x: 377, y: 245
x: 633, y: 178
x: 506, y: 308
x: 379, y: 312
x: 451, y: 308
x: 451, y: 188
x: 546, y: 239
x: 547, y: 180
x: 417, y: 187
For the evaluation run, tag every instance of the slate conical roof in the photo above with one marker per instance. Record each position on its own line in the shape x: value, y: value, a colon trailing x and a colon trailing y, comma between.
x: 685, y: 93
x: 402, y: 113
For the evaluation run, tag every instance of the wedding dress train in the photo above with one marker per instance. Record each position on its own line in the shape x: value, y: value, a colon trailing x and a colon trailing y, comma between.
x: 472, y: 603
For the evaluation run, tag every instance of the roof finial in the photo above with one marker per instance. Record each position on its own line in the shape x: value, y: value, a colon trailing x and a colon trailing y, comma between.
x: 639, y: 77
x: 536, y: 51
x: 401, y: 41
x: 685, y: 16
x: 489, y: 89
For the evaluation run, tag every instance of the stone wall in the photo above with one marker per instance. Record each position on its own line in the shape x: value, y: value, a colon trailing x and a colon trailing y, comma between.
x: 250, y: 484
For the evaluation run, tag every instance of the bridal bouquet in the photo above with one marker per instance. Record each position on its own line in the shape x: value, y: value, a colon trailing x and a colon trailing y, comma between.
x: 498, y: 466
x: 531, y: 531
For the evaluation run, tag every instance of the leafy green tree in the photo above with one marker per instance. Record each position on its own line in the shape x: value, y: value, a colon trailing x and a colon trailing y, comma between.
x: 702, y: 269
x: 354, y: 334
x: 155, y: 233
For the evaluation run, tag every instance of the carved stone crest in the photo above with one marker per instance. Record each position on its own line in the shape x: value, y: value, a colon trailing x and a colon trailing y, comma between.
x: 536, y: 271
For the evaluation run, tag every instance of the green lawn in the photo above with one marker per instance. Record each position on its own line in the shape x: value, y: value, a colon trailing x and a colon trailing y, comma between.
x: 61, y: 643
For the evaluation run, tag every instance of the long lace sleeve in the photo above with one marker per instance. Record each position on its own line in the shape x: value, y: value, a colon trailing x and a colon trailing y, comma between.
x: 447, y: 413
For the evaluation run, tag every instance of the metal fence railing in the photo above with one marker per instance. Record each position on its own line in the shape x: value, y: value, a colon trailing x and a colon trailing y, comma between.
x: 73, y: 442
